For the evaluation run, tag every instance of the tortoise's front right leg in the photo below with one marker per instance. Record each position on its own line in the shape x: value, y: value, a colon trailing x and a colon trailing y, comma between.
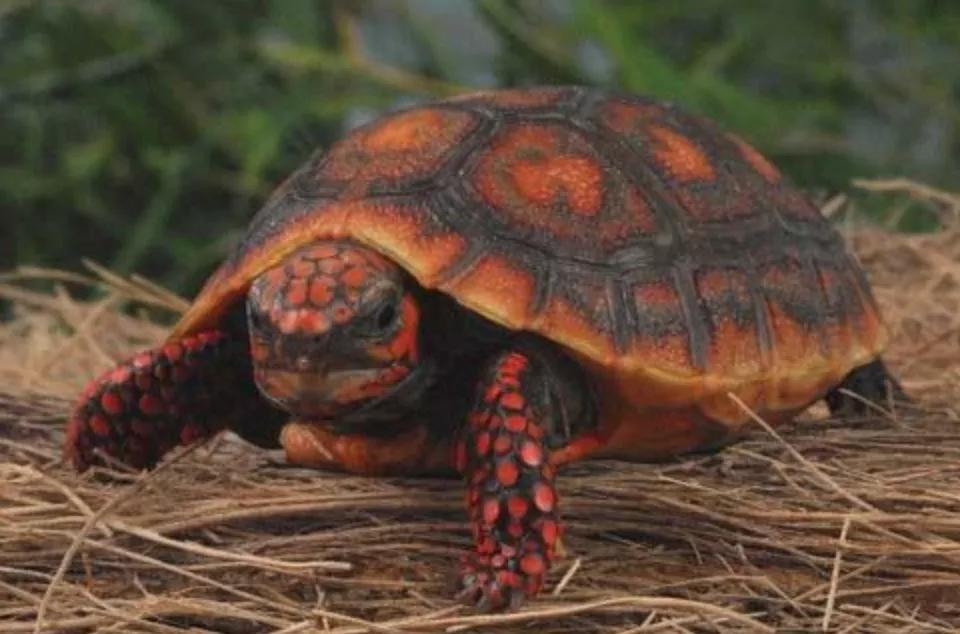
x: 517, y: 434
x: 174, y: 394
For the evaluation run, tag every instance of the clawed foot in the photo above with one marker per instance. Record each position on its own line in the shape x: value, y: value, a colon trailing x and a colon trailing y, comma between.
x: 492, y: 584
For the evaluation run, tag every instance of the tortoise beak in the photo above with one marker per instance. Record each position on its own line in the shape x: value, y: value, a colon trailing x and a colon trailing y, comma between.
x: 323, y: 394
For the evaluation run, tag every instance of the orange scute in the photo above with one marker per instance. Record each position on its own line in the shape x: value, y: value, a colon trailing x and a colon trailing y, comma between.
x: 793, y: 342
x: 403, y: 236
x: 630, y: 118
x: 659, y: 303
x: 670, y: 352
x: 732, y: 349
x: 577, y: 180
x: 656, y: 294
x: 579, y: 332
x: 411, y: 131
x: 497, y: 288
x: 408, y: 145
x: 538, y: 174
x: 681, y: 157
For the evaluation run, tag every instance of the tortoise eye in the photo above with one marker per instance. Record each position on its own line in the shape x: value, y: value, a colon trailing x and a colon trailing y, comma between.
x: 257, y: 321
x: 382, y: 316
x: 386, y: 316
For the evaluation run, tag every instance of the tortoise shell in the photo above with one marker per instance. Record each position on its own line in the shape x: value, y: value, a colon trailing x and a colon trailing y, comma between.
x: 669, y: 257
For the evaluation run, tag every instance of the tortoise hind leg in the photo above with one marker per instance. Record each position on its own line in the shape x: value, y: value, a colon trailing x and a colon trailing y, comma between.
x: 872, y: 382
x: 174, y: 394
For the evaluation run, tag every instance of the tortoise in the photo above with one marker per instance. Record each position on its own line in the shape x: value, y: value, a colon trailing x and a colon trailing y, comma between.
x: 500, y: 284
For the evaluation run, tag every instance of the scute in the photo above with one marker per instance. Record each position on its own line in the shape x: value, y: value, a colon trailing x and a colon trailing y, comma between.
x: 545, y: 184
x: 392, y: 153
x: 669, y: 257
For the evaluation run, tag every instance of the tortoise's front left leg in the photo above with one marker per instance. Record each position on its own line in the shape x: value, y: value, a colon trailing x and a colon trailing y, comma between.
x: 527, y: 420
x: 168, y: 396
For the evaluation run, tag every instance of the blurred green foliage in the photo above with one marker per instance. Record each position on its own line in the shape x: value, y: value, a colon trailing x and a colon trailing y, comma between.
x: 143, y: 133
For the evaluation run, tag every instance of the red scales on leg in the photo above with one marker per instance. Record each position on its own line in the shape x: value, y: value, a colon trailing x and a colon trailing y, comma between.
x: 511, y: 499
x: 161, y: 398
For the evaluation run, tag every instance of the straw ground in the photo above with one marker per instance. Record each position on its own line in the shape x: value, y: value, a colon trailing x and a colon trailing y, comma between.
x: 822, y: 525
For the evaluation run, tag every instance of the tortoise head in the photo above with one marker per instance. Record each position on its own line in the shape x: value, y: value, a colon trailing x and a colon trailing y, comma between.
x: 333, y: 331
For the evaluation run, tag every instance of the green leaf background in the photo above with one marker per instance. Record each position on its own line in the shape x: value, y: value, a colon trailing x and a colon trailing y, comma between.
x: 144, y: 133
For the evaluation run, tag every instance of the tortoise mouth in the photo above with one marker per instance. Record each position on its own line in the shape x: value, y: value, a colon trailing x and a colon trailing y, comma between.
x: 321, y: 395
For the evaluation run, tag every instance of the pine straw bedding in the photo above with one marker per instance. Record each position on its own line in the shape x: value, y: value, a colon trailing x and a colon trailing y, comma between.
x: 846, y: 526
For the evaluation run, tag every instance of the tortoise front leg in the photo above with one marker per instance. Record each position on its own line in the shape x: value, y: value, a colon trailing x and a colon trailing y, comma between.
x: 175, y: 394
x: 508, y: 455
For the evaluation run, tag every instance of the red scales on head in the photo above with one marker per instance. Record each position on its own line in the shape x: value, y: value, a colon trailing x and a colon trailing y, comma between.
x: 331, y: 325
x: 317, y: 287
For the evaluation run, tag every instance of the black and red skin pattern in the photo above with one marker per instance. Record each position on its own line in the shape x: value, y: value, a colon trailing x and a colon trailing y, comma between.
x: 173, y: 395
x: 511, y: 494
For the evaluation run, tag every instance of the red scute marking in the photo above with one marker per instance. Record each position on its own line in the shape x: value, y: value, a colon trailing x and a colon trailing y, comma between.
x: 404, y: 146
x: 297, y: 292
x: 111, y: 403
x: 512, y: 400
x: 531, y: 454
x: 99, y: 426
x: 173, y: 352
x: 549, y: 532
x: 491, y: 510
x: 658, y: 294
x: 321, y: 291
x: 507, y: 473
x: 543, y: 497
x: 578, y: 180
x: 532, y: 564
x: 538, y: 170
x: 460, y: 458
x: 330, y: 266
x: 483, y: 443
x: 681, y: 157
x: 630, y: 119
x: 515, y: 423
x: 517, y: 506
x: 354, y: 277
x: 150, y: 405
x: 302, y: 267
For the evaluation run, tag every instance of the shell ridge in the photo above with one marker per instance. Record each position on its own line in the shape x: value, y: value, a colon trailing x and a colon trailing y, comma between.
x: 693, y: 315
x: 761, y: 315
x: 619, y: 317
x: 811, y: 281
